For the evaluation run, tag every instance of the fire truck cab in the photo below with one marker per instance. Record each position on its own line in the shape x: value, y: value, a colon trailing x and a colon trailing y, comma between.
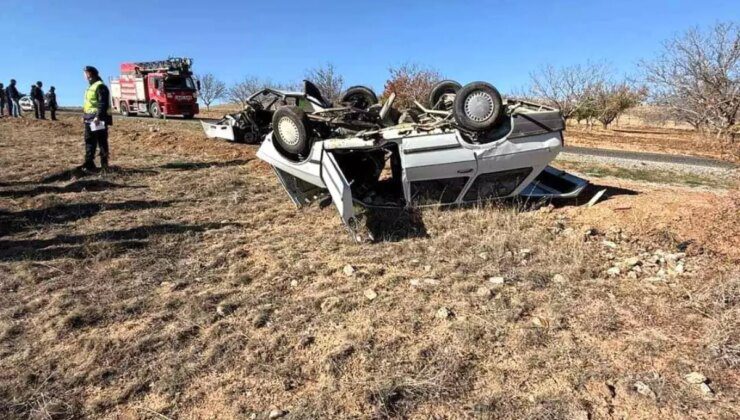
x: 157, y: 88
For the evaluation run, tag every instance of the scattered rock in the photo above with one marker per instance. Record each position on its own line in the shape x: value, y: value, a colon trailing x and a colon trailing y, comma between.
x: 614, y: 271
x: 680, y: 269
x: 525, y: 252
x: 484, y: 292
x: 348, y: 270
x: 705, y: 389
x: 276, y: 414
x: 427, y: 268
x: 559, y: 278
x: 293, y: 283
x: 632, y: 275
x: 483, y: 256
x: 443, y: 313
x: 643, y: 389
x: 496, y: 280
x: 609, y: 244
x: 632, y: 262
x: 370, y: 294
x: 225, y: 309
x: 537, y: 322
x: 695, y: 378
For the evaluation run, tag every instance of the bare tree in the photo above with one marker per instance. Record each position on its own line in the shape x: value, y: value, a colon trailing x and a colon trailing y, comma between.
x: 611, y: 99
x: 240, y: 91
x: 568, y: 88
x: 328, y: 80
x: 697, y: 76
x: 411, y: 82
x: 211, y: 89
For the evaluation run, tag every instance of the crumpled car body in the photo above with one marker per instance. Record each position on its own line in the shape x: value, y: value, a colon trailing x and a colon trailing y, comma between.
x: 254, y: 122
x: 422, y: 164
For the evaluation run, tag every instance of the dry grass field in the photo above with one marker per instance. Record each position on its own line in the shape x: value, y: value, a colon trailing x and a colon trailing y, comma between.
x: 184, y: 284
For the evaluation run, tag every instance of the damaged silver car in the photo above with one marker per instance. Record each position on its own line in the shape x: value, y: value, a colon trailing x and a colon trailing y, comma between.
x: 356, y: 110
x: 470, y: 146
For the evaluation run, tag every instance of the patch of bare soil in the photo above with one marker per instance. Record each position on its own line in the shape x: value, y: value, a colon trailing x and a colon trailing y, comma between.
x: 183, y: 284
x: 641, y: 138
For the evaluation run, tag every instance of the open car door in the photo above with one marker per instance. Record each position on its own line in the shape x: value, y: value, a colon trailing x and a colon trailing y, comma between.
x: 339, y: 189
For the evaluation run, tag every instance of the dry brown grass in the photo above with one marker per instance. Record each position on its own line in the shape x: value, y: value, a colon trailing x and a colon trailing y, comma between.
x: 184, y: 284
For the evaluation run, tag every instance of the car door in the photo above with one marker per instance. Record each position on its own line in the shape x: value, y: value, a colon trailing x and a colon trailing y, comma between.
x: 339, y: 189
x: 436, y: 168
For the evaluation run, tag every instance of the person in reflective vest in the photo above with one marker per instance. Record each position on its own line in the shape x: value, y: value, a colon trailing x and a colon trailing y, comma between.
x: 97, y: 119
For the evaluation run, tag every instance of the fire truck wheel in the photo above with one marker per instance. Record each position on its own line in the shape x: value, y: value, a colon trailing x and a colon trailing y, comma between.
x: 289, y: 131
x: 478, y: 107
x: 188, y: 116
x: 155, y: 110
x: 124, y: 109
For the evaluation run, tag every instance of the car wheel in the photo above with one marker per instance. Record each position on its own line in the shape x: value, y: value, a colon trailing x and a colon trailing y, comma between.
x: 442, y: 88
x: 155, y: 110
x: 188, y: 116
x: 478, y: 107
x: 124, y: 109
x: 289, y: 131
x: 359, y: 97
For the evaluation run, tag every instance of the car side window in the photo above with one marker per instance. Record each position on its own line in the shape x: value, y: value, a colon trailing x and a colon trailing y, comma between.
x: 437, y: 191
x: 496, y: 184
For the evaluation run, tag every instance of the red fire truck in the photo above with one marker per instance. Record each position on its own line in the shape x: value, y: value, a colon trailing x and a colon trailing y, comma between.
x: 156, y: 88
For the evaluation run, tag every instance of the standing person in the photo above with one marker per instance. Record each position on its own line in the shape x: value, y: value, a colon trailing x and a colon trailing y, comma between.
x: 14, y: 108
x: 2, y: 100
x: 51, y: 97
x: 37, y: 95
x: 97, y: 119
x: 32, y: 95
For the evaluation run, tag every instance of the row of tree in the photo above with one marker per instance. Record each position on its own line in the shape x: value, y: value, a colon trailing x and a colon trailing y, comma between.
x: 326, y: 78
x: 695, y: 79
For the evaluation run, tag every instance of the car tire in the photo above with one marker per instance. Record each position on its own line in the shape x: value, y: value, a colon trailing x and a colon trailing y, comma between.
x: 478, y: 107
x: 155, y: 111
x: 442, y: 88
x: 289, y: 125
x: 188, y: 116
x: 359, y: 97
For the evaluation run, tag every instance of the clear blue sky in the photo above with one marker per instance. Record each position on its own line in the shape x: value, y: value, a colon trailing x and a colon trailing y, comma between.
x: 498, y: 41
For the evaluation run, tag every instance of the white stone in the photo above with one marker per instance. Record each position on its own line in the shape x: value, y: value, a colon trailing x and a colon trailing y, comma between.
x: 348, y: 270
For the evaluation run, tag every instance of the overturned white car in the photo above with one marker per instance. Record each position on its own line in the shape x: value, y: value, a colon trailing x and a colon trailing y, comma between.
x: 476, y: 147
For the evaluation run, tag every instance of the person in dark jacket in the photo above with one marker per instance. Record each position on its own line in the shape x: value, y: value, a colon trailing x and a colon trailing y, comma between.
x: 2, y: 100
x: 37, y: 96
x: 51, y: 99
x: 97, y: 119
x: 14, y: 108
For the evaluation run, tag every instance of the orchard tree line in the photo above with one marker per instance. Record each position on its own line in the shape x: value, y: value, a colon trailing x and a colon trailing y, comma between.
x: 695, y: 79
